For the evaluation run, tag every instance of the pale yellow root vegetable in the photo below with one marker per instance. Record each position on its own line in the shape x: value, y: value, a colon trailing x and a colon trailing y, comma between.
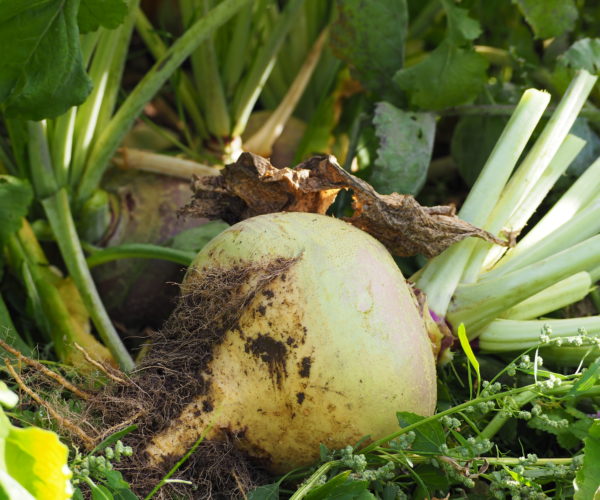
x: 327, y: 350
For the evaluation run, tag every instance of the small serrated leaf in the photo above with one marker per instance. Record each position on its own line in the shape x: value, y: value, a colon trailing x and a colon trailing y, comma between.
x: 461, y: 27
x: 405, y: 148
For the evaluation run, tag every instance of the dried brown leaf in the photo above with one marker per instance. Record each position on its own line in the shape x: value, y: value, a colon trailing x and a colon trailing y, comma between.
x: 252, y: 186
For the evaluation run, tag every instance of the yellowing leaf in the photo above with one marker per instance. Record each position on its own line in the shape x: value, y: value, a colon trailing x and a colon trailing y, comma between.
x: 38, y: 460
x: 33, y: 463
x: 81, y: 324
x: 464, y: 343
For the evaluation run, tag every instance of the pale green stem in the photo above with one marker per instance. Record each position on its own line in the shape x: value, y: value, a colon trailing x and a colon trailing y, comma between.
x: 116, y: 69
x: 237, y: 51
x: 136, y: 159
x: 442, y: 274
x: 569, y: 149
x: 184, y: 85
x: 581, y: 193
x: 477, y: 304
x: 584, y: 225
x: 88, y: 45
x: 61, y: 145
x: 537, y: 160
x: 58, y: 212
x: 565, y: 292
x: 246, y: 97
x: 154, y: 79
x: 492, y: 428
x: 450, y: 411
x: 205, y: 67
x: 87, y: 113
x: 262, y: 141
x: 41, y: 172
x: 309, y: 484
x: 495, y: 55
x: 505, y: 335
x: 570, y: 356
x: 567, y: 152
x: 139, y: 251
x: 595, y: 274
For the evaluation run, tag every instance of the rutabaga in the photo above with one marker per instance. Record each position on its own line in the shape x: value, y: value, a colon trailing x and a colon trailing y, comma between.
x: 325, y: 343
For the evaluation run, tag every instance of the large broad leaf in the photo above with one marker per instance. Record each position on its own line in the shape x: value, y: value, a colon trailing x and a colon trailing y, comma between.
x: 405, y: 147
x: 549, y: 18
x: 95, y: 13
x: 33, y: 462
x: 587, y: 480
x: 41, y: 68
x: 370, y: 36
x: 448, y: 76
x: 15, y: 197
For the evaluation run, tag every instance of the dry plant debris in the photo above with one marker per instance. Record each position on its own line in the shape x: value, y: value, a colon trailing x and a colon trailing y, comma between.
x: 252, y: 186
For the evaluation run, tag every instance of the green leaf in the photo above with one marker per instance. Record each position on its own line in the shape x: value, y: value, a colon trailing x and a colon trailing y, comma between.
x: 114, y: 479
x: 575, y: 433
x: 587, y: 480
x: 8, y: 332
x: 100, y: 492
x: 15, y: 198
x: 95, y: 13
x: 471, y: 154
x: 448, y: 76
x: 583, y: 54
x: 324, y: 490
x: 266, y: 492
x: 194, y: 239
x: 370, y: 36
x: 341, y: 488
x: 433, y: 477
x: 549, y: 18
x: 41, y: 68
x: 587, y: 380
x: 125, y: 494
x: 405, y: 147
x: 461, y: 27
x: 428, y: 437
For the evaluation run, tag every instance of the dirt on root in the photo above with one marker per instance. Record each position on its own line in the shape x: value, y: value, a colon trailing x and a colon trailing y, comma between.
x: 175, y: 372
